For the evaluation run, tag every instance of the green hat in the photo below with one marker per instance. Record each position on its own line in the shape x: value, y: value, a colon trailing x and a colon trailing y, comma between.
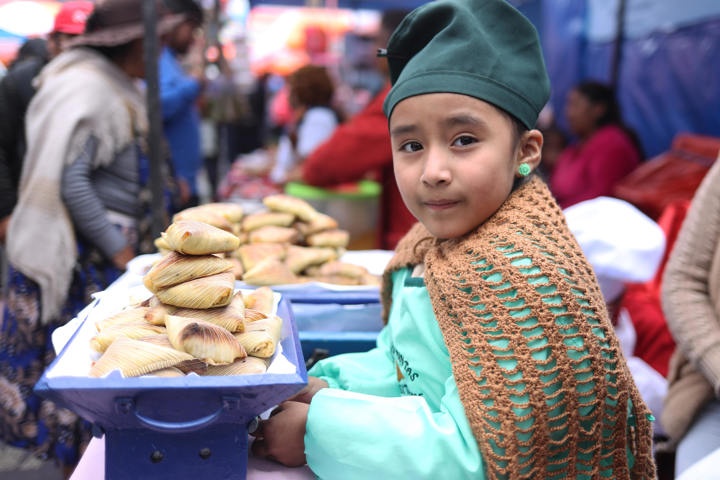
x: 482, y: 48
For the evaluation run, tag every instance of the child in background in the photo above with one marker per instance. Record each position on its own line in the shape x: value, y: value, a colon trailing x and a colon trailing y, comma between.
x: 498, y: 359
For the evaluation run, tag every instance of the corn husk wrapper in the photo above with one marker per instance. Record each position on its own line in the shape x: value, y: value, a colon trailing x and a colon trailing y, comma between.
x: 167, y: 372
x: 321, y: 222
x: 206, y: 341
x: 251, y: 255
x: 107, y: 336
x: 197, y: 238
x: 177, y: 268
x: 343, y: 269
x: 261, y: 299
x: 285, y: 203
x: 265, y: 219
x: 160, y: 339
x: 156, y: 315
x: 261, y: 337
x: 329, y: 238
x: 206, y: 292
x: 237, y: 268
x: 233, y: 212
x: 271, y: 234
x: 204, y: 215
x: 162, y: 244
x: 128, y: 316
x: 134, y: 358
x: 270, y: 272
x: 231, y: 317
x: 299, y: 258
x: 245, y: 366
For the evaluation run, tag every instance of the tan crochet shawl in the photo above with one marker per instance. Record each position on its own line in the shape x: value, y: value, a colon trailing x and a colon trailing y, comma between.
x: 457, y: 275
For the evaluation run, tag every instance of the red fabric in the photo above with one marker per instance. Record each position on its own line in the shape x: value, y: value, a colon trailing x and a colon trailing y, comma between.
x: 655, y: 344
x: 72, y: 16
x: 357, y: 148
x: 671, y: 176
x: 592, y: 169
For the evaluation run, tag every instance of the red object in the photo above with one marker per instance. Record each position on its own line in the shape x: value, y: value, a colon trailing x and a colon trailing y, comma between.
x: 71, y: 17
x: 671, y: 176
x: 356, y: 148
x: 655, y: 344
x: 592, y: 169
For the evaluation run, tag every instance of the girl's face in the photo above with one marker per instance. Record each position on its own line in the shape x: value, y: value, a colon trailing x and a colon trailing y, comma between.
x: 455, y: 160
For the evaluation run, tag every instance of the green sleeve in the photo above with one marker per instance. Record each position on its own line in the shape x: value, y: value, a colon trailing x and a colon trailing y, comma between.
x: 358, y: 436
x: 371, y: 372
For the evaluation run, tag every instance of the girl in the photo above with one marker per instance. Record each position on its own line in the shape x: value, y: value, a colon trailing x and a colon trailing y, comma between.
x: 498, y: 359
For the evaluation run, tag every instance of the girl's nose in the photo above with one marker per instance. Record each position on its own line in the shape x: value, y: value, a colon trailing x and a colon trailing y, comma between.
x: 436, y: 171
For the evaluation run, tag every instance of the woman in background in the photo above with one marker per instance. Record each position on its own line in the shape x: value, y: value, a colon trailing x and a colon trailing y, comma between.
x: 605, y: 150
x: 310, y: 93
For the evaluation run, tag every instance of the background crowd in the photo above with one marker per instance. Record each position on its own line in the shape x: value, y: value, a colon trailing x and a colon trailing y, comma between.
x: 75, y: 198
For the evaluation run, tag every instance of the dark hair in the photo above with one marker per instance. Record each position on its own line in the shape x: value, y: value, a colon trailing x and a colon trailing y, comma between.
x: 190, y: 8
x: 312, y: 86
x: 601, y: 94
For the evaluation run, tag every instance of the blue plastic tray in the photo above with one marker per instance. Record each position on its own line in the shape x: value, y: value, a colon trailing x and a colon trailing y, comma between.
x: 182, y: 427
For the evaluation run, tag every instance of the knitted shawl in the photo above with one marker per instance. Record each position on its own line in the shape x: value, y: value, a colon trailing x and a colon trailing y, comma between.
x: 518, y: 287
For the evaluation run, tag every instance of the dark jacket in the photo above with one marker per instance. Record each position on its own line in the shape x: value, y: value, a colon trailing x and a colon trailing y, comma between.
x: 16, y: 91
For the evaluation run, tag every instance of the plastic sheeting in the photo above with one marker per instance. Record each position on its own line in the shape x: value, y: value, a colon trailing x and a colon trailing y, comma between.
x: 668, y: 78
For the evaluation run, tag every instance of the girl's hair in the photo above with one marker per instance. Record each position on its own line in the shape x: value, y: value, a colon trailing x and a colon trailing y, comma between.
x: 601, y: 94
x: 312, y: 86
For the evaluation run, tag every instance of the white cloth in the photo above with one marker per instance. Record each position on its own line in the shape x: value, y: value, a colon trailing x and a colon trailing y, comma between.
x: 621, y: 243
x: 80, y: 93
x: 316, y: 126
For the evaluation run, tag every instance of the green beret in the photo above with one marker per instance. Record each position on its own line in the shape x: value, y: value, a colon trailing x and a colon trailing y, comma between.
x: 482, y: 48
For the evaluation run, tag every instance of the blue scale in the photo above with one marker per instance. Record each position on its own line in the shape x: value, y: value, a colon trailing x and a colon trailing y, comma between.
x: 189, y: 427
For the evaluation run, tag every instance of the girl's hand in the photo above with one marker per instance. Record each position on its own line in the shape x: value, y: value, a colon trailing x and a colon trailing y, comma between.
x: 308, y: 392
x: 281, y: 437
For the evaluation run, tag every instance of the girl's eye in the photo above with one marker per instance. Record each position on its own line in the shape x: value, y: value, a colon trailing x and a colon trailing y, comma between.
x: 463, y: 140
x: 411, y: 147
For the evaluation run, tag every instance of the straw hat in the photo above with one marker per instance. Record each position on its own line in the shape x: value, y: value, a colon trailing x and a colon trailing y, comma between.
x: 117, y: 22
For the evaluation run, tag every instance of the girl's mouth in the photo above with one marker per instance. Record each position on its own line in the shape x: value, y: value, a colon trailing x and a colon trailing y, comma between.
x: 440, y: 204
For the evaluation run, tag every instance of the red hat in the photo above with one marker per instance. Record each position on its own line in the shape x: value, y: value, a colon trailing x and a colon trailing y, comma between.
x: 71, y: 17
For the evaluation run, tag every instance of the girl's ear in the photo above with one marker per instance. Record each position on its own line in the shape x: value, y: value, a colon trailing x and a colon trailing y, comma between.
x: 529, y: 149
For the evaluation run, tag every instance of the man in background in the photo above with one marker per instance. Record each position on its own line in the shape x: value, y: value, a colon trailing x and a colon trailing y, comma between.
x: 179, y: 93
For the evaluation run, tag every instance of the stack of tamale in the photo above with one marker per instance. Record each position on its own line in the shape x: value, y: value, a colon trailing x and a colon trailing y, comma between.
x: 290, y: 242
x: 194, y: 322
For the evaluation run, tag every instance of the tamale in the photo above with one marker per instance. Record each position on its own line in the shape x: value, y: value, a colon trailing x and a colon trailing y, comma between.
x: 270, y: 272
x: 265, y: 219
x: 251, y: 255
x: 134, y: 358
x: 261, y: 337
x: 244, y: 366
x: 197, y: 238
x: 237, y: 268
x: 299, y: 258
x: 343, y: 269
x: 161, y: 244
x: 206, y: 292
x: 329, y: 238
x: 233, y: 212
x: 271, y: 234
x: 321, y: 222
x: 204, y: 215
x: 261, y: 299
x: 231, y: 317
x: 206, y: 341
x: 178, y: 268
x: 167, y: 372
x: 108, y: 335
x: 285, y: 203
x: 131, y: 315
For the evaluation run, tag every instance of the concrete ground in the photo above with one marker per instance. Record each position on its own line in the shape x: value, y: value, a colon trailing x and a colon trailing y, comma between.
x: 18, y: 464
